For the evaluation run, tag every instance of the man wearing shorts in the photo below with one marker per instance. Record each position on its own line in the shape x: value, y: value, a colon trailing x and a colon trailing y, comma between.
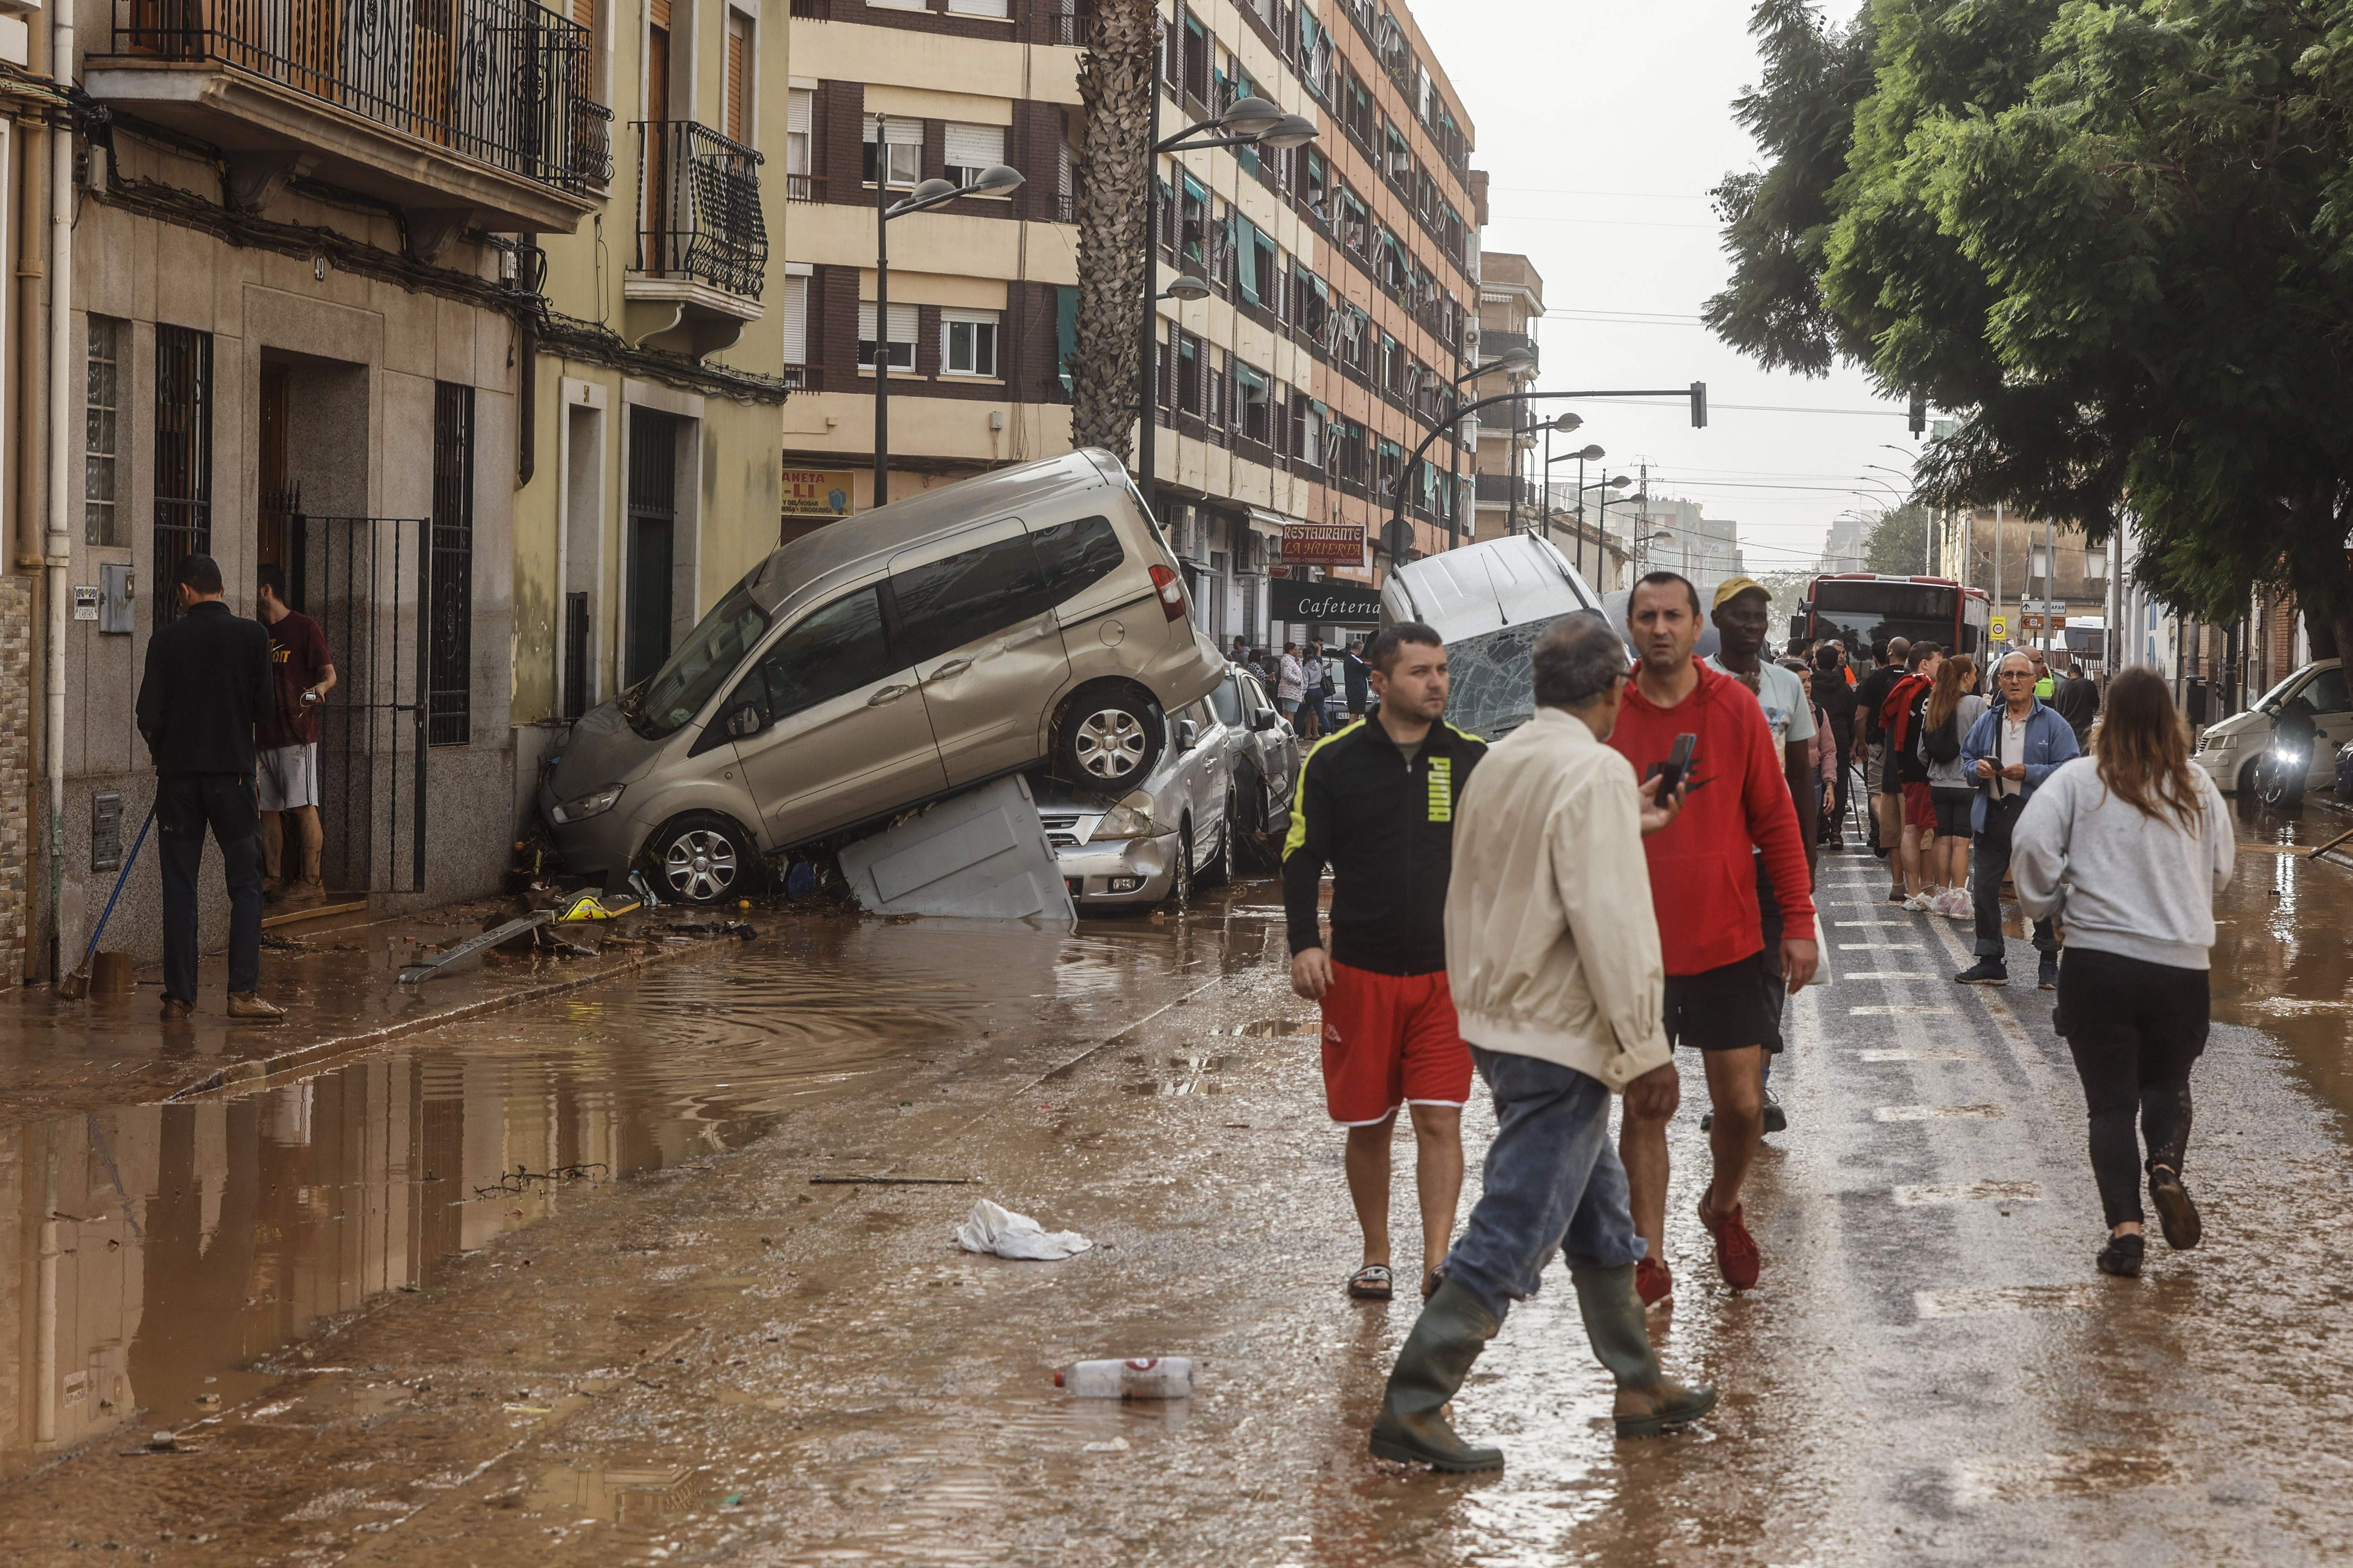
x: 1886, y: 792
x: 286, y: 776
x: 1375, y: 803
x: 1901, y: 716
x: 1711, y: 933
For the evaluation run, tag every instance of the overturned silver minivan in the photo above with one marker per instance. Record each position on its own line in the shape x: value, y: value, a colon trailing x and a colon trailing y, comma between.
x: 1490, y: 601
x: 1034, y: 615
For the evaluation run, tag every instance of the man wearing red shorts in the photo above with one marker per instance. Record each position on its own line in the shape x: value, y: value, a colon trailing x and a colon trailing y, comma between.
x: 1375, y: 803
x: 1901, y: 713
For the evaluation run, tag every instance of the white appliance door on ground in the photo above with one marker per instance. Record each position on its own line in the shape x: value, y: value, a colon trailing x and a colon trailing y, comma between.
x: 977, y: 623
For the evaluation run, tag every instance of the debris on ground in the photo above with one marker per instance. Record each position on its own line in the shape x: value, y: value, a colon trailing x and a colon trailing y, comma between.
x: 981, y: 855
x: 1144, y: 1377
x: 991, y: 1227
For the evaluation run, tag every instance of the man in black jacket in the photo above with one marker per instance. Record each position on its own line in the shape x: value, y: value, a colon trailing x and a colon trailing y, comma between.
x: 208, y: 681
x: 1376, y: 802
x: 1836, y: 698
x: 2077, y: 698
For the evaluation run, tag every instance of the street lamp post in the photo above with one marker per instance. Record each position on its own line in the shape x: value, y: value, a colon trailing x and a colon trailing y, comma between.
x: 1565, y: 424
x: 996, y: 180
x: 1252, y: 122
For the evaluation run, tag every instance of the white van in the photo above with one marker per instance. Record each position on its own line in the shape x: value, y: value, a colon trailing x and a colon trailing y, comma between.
x: 2230, y: 749
x: 1490, y: 601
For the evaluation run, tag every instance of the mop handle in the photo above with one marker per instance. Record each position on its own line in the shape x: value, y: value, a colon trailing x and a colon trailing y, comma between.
x: 130, y: 860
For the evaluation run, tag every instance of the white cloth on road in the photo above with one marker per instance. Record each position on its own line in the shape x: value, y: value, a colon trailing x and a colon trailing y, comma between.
x: 993, y: 1229
x: 2124, y: 882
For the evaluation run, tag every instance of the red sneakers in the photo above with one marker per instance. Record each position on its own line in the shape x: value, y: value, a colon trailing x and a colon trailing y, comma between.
x: 1737, y: 1257
x: 1653, y: 1282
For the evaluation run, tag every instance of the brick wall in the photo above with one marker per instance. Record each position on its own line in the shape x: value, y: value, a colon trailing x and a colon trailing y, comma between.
x: 16, y: 769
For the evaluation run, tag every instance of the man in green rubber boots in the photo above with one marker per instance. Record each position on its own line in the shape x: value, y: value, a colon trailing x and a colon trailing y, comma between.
x: 1552, y: 954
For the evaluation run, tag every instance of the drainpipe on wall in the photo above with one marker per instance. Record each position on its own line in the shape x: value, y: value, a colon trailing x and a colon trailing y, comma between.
x: 30, y: 407
x: 58, y: 547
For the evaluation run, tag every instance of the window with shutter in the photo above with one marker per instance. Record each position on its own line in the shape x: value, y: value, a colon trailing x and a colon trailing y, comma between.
x: 902, y: 336
x: 979, y: 7
x: 971, y: 148
x: 800, y: 124
x: 797, y: 320
x: 737, y: 123
x: 968, y: 342
x: 903, y: 140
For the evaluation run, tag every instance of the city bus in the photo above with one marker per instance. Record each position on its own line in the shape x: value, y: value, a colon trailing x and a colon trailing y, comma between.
x: 1863, y: 609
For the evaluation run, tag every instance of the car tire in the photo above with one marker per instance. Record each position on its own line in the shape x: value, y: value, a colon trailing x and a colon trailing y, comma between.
x: 700, y: 858
x: 1220, y: 870
x: 2251, y: 781
x: 1180, y: 890
x: 1110, y: 738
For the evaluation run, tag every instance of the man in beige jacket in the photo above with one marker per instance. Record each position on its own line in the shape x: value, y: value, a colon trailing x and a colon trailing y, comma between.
x: 1552, y: 954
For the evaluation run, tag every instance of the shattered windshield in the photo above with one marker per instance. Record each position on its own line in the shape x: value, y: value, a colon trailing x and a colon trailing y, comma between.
x: 707, y: 658
x: 1491, y: 690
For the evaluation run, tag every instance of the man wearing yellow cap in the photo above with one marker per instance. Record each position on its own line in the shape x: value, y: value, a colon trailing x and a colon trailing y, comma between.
x: 1742, y: 612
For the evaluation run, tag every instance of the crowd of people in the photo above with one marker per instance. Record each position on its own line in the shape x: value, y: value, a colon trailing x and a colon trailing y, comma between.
x: 1631, y: 871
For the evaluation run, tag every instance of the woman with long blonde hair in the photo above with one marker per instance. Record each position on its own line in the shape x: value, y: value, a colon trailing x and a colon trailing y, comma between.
x: 1953, y: 708
x: 2129, y: 845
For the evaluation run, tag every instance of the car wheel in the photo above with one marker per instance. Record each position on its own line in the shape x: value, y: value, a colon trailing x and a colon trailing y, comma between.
x: 1220, y: 867
x: 2250, y: 780
x: 1110, y: 738
x: 1180, y: 893
x: 701, y: 858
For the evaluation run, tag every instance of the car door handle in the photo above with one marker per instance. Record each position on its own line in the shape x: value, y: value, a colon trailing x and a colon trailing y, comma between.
x: 888, y: 694
x: 952, y: 667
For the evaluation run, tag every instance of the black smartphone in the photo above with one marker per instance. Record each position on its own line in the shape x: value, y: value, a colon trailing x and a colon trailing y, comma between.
x: 1678, y: 763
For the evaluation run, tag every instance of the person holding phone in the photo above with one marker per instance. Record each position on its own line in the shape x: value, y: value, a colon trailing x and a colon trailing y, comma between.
x: 1721, y: 994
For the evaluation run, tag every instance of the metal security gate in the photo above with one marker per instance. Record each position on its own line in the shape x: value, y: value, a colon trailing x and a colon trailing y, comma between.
x: 363, y: 580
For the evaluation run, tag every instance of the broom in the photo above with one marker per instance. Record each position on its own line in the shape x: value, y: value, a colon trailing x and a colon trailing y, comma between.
x: 75, y: 986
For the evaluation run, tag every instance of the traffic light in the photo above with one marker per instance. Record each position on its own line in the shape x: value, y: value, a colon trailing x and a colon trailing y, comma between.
x: 1919, y: 413
x: 1699, y: 405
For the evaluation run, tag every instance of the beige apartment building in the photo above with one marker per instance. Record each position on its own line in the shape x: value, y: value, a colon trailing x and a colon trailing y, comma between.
x: 1510, y: 444
x: 1340, y: 273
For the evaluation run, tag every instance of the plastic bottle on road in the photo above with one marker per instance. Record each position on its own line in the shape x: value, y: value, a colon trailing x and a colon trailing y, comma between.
x: 1150, y: 1377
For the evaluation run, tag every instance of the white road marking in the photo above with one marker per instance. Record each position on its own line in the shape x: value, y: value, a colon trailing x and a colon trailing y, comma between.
x: 1879, y: 947
x: 1904, y: 923
x: 1904, y: 1009
x: 1916, y: 1055
x: 1886, y: 974
x: 1969, y: 1193
x: 2006, y: 1298
x: 1937, y: 1113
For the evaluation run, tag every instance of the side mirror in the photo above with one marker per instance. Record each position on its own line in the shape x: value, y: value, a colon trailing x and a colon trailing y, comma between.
x: 745, y: 721
x: 1262, y: 720
x: 1188, y: 734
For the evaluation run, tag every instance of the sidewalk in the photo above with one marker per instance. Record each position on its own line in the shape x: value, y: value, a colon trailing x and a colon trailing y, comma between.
x: 336, y: 974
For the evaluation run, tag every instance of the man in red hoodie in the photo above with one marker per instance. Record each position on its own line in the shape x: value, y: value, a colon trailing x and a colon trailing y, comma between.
x: 1703, y: 886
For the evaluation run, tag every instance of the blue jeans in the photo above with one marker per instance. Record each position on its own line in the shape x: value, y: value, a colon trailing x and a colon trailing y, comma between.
x: 1553, y: 1183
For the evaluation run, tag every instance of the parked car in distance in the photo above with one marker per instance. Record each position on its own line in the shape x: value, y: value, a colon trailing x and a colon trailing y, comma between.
x: 1030, y: 616
x: 1490, y: 601
x: 1266, y: 762
x: 1154, y: 841
x: 2232, y: 749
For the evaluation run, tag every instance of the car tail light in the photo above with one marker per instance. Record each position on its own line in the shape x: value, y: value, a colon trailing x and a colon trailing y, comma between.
x: 1171, y: 590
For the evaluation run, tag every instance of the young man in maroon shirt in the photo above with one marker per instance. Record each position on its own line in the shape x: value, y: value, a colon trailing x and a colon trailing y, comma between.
x: 286, y: 777
x: 1703, y: 887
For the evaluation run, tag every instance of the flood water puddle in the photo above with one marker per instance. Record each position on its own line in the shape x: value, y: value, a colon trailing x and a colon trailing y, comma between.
x: 168, y: 1249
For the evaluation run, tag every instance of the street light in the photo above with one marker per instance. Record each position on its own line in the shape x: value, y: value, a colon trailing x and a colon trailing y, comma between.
x: 1186, y: 287
x: 1251, y: 122
x: 996, y: 180
x: 1564, y: 423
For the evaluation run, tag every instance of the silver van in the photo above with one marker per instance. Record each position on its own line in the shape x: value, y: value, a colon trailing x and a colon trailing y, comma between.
x: 1491, y: 602
x: 1034, y: 615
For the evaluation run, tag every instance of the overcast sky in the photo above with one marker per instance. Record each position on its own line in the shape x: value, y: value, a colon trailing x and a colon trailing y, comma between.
x: 1602, y: 127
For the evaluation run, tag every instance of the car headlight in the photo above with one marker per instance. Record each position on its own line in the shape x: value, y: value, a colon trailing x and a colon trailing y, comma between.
x: 2209, y: 741
x: 1130, y: 818
x: 588, y: 805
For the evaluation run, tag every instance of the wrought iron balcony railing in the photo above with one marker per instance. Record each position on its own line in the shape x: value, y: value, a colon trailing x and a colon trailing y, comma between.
x: 503, y: 82
x: 699, y: 208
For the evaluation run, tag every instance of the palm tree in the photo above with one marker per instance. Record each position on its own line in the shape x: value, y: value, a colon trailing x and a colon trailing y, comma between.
x: 1116, y: 87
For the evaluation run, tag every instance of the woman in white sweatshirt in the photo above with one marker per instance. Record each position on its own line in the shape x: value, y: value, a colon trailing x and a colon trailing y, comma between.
x: 2128, y: 846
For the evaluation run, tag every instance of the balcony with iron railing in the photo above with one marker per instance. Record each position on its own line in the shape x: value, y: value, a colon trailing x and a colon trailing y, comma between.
x: 702, y: 240
x: 458, y: 111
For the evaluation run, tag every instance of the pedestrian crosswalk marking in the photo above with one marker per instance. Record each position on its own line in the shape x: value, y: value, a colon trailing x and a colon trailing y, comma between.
x: 1879, y: 947
x: 1937, y: 1113
x: 1915, y: 1055
x: 1904, y: 923
x: 2006, y: 1299
x: 1969, y: 1193
x: 1886, y: 974
x: 1899, y: 1010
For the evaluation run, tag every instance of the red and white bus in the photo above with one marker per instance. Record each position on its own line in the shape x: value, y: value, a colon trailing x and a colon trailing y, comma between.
x: 1863, y: 609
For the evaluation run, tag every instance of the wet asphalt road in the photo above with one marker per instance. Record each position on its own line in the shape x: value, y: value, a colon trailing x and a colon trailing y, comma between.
x: 658, y: 1342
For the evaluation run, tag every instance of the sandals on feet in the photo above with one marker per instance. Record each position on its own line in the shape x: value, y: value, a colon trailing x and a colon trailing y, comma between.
x: 1371, y: 1283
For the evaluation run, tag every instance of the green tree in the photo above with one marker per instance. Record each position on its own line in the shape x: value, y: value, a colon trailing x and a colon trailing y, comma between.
x: 1898, y: 544
x: 2115, y: 239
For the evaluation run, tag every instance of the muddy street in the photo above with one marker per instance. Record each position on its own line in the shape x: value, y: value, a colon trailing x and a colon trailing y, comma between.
x: 612, y: 1278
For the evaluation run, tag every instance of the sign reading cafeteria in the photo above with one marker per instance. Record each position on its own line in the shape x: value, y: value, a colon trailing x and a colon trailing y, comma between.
x: 817, y: 492
x: 1322, y: 544
x: 1325, y: 604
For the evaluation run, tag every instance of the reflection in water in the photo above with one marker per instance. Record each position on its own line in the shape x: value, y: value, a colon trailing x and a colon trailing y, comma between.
x: 159, y: 1251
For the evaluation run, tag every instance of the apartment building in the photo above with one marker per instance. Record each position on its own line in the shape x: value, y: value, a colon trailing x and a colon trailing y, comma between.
x: 1677, y: 535
x: 2039, y: 575
x: 648, y: 475
x: 885, y: 94
x: 1509, y: 439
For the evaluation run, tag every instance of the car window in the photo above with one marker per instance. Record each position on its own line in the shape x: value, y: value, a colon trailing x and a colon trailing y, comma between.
x: 1226, y: 698
x: 692, y: 674
x: 967, y: 596
x: 1076, y: 555
x: 834, y: 650
x: 2325, y: 692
